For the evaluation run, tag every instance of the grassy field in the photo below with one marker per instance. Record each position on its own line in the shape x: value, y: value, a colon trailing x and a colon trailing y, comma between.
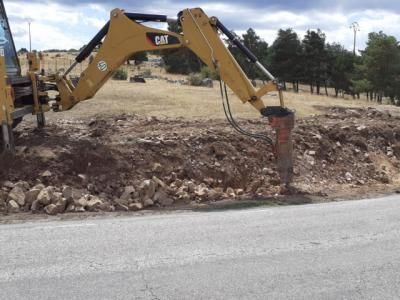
x: 160, y: 98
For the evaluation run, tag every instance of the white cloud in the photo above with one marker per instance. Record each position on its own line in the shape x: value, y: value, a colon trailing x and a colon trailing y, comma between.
x: 98, y: 7
x: 62, y: 26
x: 51, y: 12
x: 334, y: 24
x: 53, y: 25
x: 50, y: 37
x: 95, y: 22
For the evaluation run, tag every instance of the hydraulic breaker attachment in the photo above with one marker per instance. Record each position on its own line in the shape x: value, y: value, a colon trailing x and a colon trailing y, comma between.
x: 282, y: 120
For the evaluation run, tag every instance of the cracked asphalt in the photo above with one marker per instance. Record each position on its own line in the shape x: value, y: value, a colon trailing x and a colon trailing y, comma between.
x: 341, y: 250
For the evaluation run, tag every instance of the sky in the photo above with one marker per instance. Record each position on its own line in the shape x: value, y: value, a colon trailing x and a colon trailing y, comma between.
x: 65, y: 24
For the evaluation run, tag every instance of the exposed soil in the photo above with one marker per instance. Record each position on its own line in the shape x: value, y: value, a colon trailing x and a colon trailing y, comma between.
x: 339, y: 153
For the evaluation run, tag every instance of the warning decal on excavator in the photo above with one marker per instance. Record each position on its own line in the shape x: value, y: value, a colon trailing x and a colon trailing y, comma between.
x: 102, y: 66
x: 157, y: 39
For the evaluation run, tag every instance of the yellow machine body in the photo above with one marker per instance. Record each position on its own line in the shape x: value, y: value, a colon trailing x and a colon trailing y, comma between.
x: 122, y: 37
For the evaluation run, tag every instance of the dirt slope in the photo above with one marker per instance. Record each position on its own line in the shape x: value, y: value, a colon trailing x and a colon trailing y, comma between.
x: 340, y: 152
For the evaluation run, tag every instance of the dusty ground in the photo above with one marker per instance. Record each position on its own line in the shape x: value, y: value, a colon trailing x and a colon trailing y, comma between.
x: 161, y: 144
x: 161, y: 99
x: 339, y: 153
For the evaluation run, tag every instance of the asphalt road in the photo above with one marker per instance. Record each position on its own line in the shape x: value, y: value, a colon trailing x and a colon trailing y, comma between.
x: 342, y: 250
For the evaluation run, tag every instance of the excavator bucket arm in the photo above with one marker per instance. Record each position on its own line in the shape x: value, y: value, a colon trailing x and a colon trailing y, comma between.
x: 124, y: 36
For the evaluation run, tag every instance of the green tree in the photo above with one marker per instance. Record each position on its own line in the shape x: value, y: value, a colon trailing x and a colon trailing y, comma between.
x: 285, y: 54
x: 139, y: 58
x: 22, y: 51
x: 120, y: 74
x: 381, y: 60
x: 340, y: 67
x: 181, y: 60
x: 314, y: 58
x: 258, y: 47
x: 362, y: 86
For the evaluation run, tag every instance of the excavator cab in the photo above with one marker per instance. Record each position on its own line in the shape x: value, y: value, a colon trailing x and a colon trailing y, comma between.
x: 9, y: 70
x: 7, y: 46
x: 20, y: 94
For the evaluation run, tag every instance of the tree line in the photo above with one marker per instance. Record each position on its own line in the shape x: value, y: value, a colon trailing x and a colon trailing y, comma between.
x: 313, y: 61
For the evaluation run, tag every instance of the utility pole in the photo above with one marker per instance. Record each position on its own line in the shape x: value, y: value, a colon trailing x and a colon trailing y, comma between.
x: 29, y: 20
x: 355, y: 27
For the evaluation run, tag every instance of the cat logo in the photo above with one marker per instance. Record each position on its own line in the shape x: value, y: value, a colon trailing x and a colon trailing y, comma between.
x: 102, y: 66
x: 157, y: 39
x: 161, y: 40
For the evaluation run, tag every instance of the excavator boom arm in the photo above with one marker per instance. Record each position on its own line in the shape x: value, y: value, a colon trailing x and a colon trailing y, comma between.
x: 124, y: 36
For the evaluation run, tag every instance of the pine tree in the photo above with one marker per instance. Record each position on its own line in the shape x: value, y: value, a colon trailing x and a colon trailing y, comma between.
x: 315, y: 67
x: 181, y: 60
x: 340, y: 67
x: 286, y: 52
x: 258, y: 47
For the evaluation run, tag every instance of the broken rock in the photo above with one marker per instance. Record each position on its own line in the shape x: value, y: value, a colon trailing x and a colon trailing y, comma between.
x: 46, y: 174
x: 162, y: 198
x: 106, y: 206
x: 128, y: 193
x: 147, y: 189
x: 36, y: 206
x: 215, y: 194
x: 135, y: 206
x: 348, y: 176
x: 93, y: 204
x: 23, y: 185
x: 67, y: 192
x: 148, y: 202
x: 190, y: 186
x: 157, y: 167
x: 160, y: 183
x: 230, y: 192
x: 13, y: 206
x: 3, y: 197
x: 202, y: 191
x: 82, y: 201
x: 45, y: 196
x: 17, y: 194
x: 51, y: 209
x: 39, y: 186
x: 120, y: 206
x: 56, y: 197
x: 8, y: 184
x: 31, y: 195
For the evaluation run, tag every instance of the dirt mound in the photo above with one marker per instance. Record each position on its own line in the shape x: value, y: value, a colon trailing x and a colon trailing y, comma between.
x: 344, y: 148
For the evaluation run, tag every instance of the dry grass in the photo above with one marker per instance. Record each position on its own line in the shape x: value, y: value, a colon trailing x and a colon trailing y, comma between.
x: 159, y: 98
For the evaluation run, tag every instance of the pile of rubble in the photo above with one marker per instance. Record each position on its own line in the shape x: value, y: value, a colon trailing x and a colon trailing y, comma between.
x: 21, y: 197
x: 133, y: 162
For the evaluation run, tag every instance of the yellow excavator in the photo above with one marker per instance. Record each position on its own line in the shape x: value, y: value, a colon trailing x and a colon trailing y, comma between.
x: 122, y: 37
